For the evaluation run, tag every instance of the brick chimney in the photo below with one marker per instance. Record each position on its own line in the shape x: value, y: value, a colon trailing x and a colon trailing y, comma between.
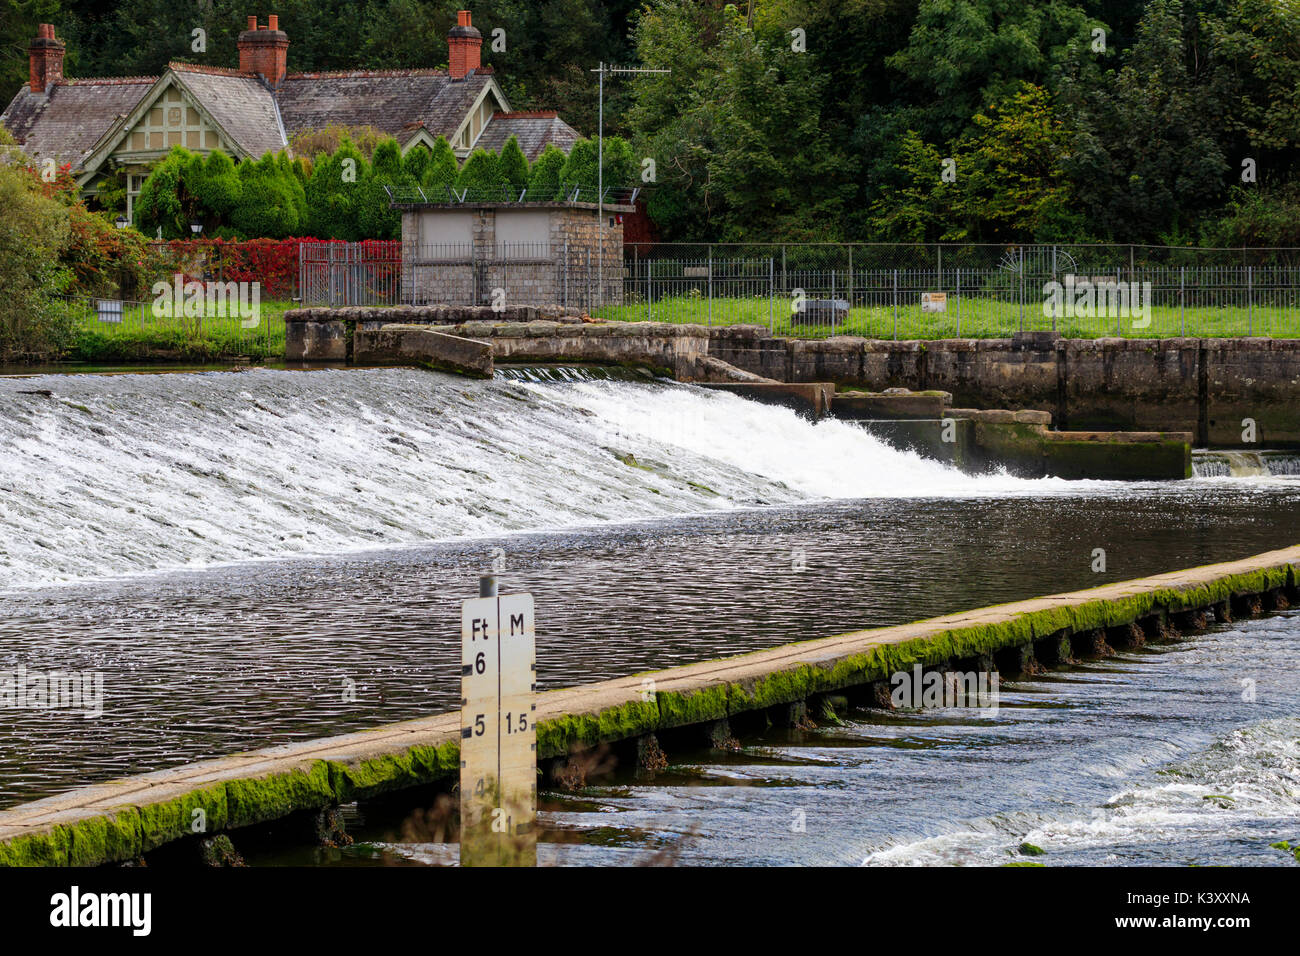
x: 463, y: 45
x: 264, y: 50
x: 45, y: 59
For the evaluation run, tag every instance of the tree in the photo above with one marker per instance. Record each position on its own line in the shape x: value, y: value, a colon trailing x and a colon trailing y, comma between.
x: 1268, y: 217
x: 544, y: 180
x: 736, y: 133
x: 480, y: 178
x: 267, y: 205
x: 580, y: 167
x: 215, y: 185
x: 514, y: 165
x: 440, y: 174
x: 163, y: 203
x: 961, y: 54
x: 1011, y: 184
x: 333, y: 193
x: 377, y: 218
x: 1257, y: 44
x: 919, y: 210
x: 19, y: 20
x: 415, y: 162
x: 33, y: 232
x: 1147, y: 158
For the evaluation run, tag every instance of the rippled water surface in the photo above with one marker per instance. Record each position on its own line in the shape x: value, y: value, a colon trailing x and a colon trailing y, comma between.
x: 1155, y: 757
x: 238, y: 553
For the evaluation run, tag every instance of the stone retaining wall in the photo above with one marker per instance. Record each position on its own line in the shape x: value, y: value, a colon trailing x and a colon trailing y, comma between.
x: 1203, y: 386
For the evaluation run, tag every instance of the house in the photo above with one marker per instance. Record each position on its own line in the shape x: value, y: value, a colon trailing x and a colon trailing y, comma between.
x: 98, y: 126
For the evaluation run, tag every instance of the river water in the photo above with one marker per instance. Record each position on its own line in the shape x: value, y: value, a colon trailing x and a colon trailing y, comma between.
x: 250, y: 558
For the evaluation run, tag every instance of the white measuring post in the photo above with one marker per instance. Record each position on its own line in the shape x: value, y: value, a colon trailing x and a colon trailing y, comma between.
x: 498, y: 740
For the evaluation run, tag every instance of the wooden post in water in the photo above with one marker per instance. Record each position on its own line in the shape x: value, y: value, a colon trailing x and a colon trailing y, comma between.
x: 498, y: 741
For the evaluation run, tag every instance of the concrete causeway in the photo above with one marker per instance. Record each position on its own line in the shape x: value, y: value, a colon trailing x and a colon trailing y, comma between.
x: 124, y: 819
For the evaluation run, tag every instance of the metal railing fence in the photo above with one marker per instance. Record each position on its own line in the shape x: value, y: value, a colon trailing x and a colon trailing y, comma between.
x: 207, y: 328
x: 972, y: 291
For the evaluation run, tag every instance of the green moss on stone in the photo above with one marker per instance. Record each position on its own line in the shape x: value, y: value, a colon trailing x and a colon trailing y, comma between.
x: 561, y: 735
x: 107, y: 838
x: 50, y: 848
x: 413, y: 767
x: 677, y: 709
x: 276, y: 795
x: 163, y: 822
x: 779, y: 687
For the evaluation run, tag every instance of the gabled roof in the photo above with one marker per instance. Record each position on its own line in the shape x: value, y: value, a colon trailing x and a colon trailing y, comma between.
x: 82, y: 122
x: 68, y: 120
x: 242, y: 105
x: 534, y: 130
x: 392, y: 101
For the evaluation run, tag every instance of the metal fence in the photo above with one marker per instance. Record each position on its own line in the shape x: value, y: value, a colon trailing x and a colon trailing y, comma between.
x: 415, y: 272
x: 200, y: 327
x: 505, y: 273
x: 933, y: 291
x: 350, y: 273
x: 815, y: 290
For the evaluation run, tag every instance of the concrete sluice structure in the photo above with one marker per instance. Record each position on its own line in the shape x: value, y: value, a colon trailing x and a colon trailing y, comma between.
x: 125, y: 820
x: 470, y: 340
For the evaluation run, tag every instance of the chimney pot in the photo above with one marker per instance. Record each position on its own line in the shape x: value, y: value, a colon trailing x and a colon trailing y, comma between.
x: 45, y: 59
x: 464, y: 45
x: 263, y: 50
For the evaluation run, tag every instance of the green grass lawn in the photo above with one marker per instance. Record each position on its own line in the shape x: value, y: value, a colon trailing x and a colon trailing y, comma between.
x: 141, y: 336
x: 979, y: 318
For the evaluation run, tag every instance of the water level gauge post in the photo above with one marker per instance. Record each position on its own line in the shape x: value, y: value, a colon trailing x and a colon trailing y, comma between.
x: 498, y: 745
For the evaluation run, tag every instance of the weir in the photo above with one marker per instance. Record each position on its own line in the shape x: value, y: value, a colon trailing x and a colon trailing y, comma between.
x: 469, y: 340
x: 125, y: 819
x: 1205, y: 387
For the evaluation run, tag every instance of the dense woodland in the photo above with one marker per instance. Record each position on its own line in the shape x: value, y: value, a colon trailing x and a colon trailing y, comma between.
x: 1063, y: 120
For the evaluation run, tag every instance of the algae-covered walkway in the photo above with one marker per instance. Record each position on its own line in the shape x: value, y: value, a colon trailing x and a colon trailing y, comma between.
x: 124, y: 819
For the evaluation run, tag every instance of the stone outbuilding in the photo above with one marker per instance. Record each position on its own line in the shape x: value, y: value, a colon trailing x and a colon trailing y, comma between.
x: 567, y: 253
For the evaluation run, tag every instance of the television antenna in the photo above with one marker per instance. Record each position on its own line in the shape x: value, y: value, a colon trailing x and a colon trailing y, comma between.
x: 612, y: 70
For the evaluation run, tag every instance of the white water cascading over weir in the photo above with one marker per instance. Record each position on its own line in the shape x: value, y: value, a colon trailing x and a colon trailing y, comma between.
x: 110, y: 475
x: 1244, y: 464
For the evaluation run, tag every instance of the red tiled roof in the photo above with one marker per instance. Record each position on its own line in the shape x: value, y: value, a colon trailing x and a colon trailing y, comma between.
x: 107, y: 81
x: 349, y: 74
x: 203, y: 68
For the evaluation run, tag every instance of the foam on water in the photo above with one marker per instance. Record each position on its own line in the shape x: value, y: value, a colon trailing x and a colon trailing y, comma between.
x: 1245, y: 782
x: 128, y: 474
